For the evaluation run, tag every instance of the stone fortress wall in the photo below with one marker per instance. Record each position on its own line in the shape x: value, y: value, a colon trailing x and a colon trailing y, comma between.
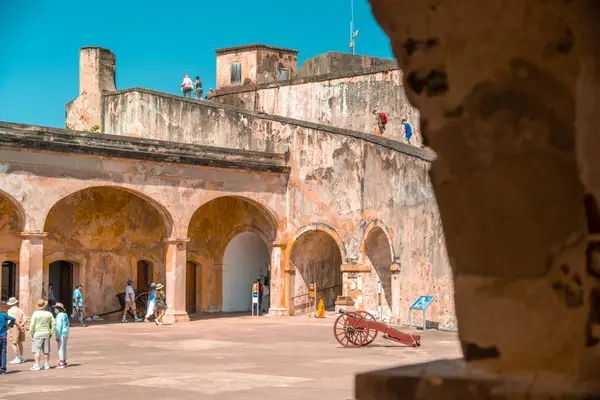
x: 353, y: 208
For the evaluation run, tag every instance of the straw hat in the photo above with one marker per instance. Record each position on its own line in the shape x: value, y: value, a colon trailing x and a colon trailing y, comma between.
x: 59, y: 305
x: 12, y: 301
x: 160, y: 286
x: 41, y: 304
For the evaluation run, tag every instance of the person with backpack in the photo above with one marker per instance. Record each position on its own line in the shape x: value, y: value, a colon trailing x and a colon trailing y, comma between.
x: 187, y: 86
x: 380, y: 122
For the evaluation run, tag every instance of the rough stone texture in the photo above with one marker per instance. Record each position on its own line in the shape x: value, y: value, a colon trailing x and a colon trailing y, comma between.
x: 506, y: 89
x: 339, y: 178
x: 260, y: 64
x: 97, y: 67
x: 331, y: 184
x: 334, y: 62
x: 341, y: 99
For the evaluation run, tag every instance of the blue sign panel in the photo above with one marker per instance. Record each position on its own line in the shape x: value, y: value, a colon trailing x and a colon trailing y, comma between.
x: 422, y: 303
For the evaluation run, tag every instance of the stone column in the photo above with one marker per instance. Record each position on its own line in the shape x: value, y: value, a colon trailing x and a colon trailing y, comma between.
x: 175, y: 281
x: 396, y: 286
x: 352, y: 286
x: 31, y: 270
x: 278, y: 302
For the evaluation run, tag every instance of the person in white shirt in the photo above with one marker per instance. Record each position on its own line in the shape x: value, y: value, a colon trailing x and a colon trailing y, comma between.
x: 187, y: 86
x: 130, y: 303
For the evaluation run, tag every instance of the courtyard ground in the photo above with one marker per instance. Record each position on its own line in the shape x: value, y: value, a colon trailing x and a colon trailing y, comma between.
x: 223, y: 358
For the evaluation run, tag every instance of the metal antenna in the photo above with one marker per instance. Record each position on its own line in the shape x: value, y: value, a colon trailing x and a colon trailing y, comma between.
x: 353, y: 34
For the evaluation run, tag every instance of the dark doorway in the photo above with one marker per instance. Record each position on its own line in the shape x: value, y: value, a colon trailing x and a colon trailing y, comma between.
x: 190, y: 288
x: 9, y: 280
x: 144, y: 275
x: 61, y: 278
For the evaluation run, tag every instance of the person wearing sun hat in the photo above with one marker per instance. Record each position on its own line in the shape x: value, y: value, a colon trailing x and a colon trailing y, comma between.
x: 41, y: 329
x: 16, y: 335
x: 62, y: 333
x: 161, y: 305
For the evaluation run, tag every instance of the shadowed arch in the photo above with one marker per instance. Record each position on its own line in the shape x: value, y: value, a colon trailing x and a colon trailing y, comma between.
x: 377, y: 223
x: 378, y: 249
x: 327, y: 229
x: 317, y: 257
x: 162, y: 211
x: 21, y: 215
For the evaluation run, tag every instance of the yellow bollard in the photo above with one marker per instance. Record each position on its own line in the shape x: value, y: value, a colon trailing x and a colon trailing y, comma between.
x: 321, y: 309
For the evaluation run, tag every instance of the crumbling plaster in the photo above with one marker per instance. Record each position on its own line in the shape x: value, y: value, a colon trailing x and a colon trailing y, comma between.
x: 339, y: 178
x: 344, y: 100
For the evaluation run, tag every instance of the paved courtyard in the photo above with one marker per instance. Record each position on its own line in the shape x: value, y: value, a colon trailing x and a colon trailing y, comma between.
x: 218, y: 358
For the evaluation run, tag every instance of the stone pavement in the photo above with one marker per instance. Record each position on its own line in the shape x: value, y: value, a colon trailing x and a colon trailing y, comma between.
x: 221, y: 358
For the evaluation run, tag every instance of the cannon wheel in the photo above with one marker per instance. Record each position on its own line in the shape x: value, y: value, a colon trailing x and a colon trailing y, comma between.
x: 371, y: 333
x: 346, y: 332
x: 141, y: 304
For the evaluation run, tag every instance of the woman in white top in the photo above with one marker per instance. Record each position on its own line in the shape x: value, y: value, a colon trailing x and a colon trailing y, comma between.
x: 187, y: 86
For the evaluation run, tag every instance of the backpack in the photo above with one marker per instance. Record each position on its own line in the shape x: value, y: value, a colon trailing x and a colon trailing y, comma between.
x: 383, y: 118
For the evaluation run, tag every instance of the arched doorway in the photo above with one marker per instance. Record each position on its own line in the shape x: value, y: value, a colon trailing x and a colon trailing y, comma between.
x: 11, y: 225
x: 10, y: 274
x: 144, y: 275
x: 105, y: 227
x: 60, y: 275
x: 191, y: 287
x: 220, y: 233
x: 318, y: 259
x: 246, y: 259
x: 379, y: 254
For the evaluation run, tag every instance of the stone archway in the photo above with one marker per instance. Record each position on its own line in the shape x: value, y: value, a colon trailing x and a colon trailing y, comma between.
x: 12, y: 219
x: 105, y: 227
x: 378, y: 249
x: 213, y: 227
x: 317, y: 258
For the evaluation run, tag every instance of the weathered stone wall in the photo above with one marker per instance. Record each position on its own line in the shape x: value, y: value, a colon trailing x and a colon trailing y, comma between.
x: 97, y: 67
x: 341, y: 179
x: 105, y: 231
x: 336, y: 63
x: 344, y: 101
x: 248, y: 62
x: 269, y: 61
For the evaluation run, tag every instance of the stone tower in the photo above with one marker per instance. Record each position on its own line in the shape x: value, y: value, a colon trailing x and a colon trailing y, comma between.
x: 97, y: 68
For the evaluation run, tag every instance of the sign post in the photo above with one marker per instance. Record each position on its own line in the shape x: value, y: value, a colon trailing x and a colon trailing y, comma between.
x: 420, y: 304
x: 255, y: 298
x: 379, y: 303
x: 311, y: 297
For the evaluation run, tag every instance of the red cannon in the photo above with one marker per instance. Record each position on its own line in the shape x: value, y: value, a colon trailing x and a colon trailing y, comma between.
x: 359, y: 328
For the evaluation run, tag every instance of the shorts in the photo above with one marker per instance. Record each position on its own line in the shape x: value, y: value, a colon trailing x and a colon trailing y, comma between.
x: 130, y: 305
x: 16, y: 336
x: 40, y: 346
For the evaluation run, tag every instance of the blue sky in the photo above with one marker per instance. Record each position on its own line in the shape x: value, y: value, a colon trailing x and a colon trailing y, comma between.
x: 155, y: 43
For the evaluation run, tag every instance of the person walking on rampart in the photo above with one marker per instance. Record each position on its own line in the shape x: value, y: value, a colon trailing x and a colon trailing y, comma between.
x: 198, y: 86
x: 78, y: 304
x: 41, y: 329
x: 151, y: 302
x: 62, y: 333
x: 380, y: 122
x: 160, y: 305
x: 408, y: 132
x: 130, y: 303
x: 187, y: 86
x: 6, y: 321
x: 16, y: 334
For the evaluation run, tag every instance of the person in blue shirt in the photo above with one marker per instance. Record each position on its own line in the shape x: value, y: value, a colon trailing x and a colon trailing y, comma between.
x: 78, y: 304
x: 151, y: 302
x: 6, y: 321
x: 407, y: 130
